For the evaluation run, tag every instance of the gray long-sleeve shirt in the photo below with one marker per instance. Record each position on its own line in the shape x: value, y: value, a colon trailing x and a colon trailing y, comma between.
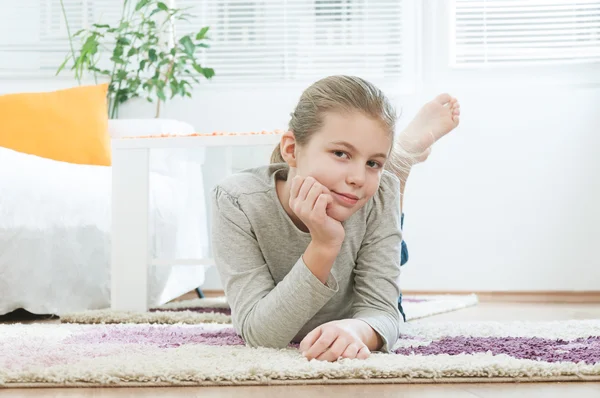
x: 275, y: 299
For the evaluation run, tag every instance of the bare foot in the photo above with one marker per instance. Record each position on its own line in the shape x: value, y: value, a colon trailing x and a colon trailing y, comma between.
x: 433, y: 121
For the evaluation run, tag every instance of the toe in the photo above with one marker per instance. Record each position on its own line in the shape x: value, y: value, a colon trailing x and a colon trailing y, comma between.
x: 443, y: 98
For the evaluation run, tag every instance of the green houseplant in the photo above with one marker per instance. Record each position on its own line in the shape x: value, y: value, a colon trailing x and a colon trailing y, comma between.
x: 146, y: 59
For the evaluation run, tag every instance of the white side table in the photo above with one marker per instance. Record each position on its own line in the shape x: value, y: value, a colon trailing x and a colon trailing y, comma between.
x: 130, y: 232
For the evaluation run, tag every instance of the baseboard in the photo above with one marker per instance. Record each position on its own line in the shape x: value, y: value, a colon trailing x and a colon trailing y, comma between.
x: 492, y: 296
x: 522, y: 296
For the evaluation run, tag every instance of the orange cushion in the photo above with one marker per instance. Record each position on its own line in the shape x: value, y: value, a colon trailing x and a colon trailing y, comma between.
x: 66, y: 125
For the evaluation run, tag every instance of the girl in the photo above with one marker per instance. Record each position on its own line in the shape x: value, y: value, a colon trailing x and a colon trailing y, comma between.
x: 308, y: 248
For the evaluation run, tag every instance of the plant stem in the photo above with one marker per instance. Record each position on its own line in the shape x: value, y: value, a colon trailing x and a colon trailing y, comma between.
x: 167, y: 75
x: 114, y: 104
x: 62, y: 6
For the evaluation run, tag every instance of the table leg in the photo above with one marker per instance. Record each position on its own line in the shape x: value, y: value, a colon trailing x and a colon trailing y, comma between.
x: 129, y: 235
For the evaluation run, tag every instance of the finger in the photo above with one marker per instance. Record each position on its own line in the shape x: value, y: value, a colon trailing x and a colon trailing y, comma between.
x: 310, y: 339
x: 315, y: 191
x: 296, y: 184
x: 321, y: 345
x: 335, y: 350
x: 350, y: 351
x: 305, y: 188
x: 456, y: 111
x: 321, y: 204
x: 325, y: 189
x: 443, y: 98
x: 456, y: 119
x: 363, y: 353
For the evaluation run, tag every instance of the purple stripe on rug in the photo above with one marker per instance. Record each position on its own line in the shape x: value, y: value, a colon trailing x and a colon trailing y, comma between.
x: 201, y: 310
x: 413, y: 300
x: 534, y: 348
x: 163, y: 337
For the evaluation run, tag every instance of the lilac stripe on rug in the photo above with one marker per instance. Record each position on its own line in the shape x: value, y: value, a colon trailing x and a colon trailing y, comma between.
x: 213, y: 354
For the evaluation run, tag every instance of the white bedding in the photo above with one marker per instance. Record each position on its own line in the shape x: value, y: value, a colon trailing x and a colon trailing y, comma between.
x: 55, y: 234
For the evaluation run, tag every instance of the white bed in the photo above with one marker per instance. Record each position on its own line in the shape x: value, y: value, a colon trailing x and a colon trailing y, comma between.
x: 55, y: 231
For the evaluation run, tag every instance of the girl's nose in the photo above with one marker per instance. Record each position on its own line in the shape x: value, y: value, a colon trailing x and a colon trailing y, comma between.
x: 356, y: 175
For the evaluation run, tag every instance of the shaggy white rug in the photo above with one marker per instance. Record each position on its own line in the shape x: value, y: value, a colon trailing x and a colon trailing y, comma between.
x: 213, y: 354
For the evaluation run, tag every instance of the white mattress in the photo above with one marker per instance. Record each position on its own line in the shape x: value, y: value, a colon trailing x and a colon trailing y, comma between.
x: 55, y: 234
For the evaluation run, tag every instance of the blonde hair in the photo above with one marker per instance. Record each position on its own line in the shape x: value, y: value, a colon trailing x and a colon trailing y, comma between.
x: 342, y: 94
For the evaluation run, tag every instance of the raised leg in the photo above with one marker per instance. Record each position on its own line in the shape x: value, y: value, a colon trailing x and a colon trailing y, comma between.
x: 129, y: 237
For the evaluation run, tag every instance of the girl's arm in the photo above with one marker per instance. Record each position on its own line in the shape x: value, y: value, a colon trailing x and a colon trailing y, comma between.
x: 378, y: 266
x: 263, y: 313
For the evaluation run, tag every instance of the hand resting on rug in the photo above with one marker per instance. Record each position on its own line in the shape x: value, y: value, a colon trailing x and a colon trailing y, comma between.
x: 346, y: 338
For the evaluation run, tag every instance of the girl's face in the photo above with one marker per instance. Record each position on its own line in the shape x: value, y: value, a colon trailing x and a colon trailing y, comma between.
x: 347, y: 156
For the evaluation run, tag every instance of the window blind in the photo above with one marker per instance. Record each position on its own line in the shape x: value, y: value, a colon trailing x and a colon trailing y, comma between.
x: 291, y: 40
x: 33, y: 33
x: 252, y: 41
x: 524, y: 32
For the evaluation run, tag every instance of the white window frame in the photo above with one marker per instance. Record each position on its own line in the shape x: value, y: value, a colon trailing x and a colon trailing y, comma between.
x: 437, y: 70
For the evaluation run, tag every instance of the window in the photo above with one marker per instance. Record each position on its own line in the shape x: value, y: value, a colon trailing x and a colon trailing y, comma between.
x: 506, y: 32
x: 33, y: 33
x: 302, y: 40
x: 252, y: 41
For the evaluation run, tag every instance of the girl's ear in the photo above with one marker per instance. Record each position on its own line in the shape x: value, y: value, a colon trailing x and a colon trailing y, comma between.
x: 288, y: 148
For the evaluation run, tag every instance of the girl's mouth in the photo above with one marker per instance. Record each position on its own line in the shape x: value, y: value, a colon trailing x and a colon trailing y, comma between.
x: 347, y: 200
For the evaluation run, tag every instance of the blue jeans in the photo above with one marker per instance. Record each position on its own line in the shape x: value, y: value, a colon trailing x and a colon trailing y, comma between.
x: 403, y: 260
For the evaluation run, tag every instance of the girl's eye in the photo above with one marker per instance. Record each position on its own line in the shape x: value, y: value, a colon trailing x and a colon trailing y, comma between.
x: 373, y: 164
x: 340, y: 154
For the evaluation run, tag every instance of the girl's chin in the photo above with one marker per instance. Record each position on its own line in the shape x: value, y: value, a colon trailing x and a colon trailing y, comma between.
x: 338, y: 214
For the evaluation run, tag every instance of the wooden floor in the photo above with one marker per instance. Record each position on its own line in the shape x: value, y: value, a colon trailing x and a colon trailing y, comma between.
x: 484, y: 311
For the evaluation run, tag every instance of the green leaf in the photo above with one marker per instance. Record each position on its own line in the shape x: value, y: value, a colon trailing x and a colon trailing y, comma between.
x: 101, y: 26
x: 174, y: 88
x: 123, y: 41
x: 142, y: 64
x: 202, y: 33
x: 208, y: 72
x: 90, y: 46
x: 202, y: 45
x: 121, y: 74
x: 198, y: 68
x: 117, y: 60
x: 141, y: 4
x: 188, y: 45
x: 152, y: 55
x: 162, y: 6
x: 161, y: 94
x: 155, y: 11
x: 62, y: 66
x: 132, y: 51
x: 118, y: 51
